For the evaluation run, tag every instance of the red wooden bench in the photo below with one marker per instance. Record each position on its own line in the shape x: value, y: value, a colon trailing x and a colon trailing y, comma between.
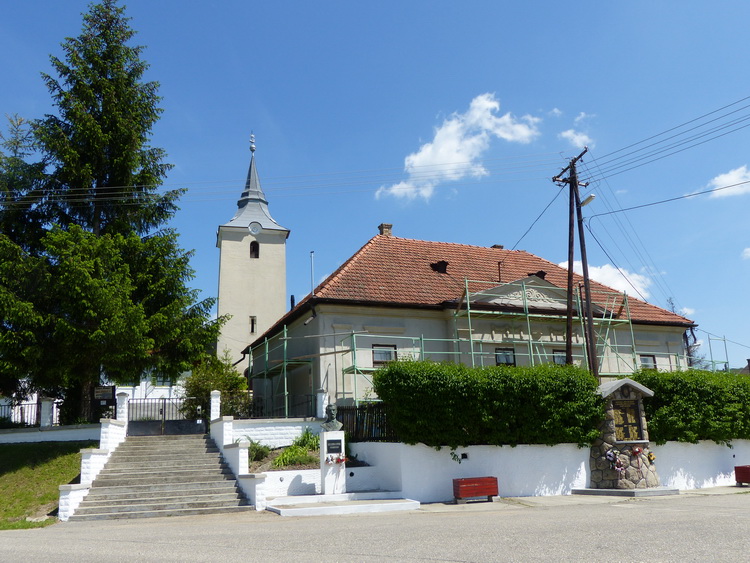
x: 742, y: 474
x: 473, y: 487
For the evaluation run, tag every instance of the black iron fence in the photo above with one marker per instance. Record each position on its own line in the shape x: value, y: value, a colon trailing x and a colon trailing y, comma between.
x: 241, y: 404
x: 244, y: 405
x: 143, y: 410
x: 367, y: 422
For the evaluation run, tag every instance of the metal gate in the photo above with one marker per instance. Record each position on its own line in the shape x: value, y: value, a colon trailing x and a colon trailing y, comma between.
x: 151, y: 417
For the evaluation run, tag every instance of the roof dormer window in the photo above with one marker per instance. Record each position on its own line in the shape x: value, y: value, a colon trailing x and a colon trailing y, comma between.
x: 441, y: 267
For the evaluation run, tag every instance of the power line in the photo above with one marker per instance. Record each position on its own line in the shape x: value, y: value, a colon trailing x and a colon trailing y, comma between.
x: 686, y: 196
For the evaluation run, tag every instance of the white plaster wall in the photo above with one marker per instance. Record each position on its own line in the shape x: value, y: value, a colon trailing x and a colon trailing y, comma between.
x: 696, y: 466
x: 427, y: 474
x: 70, y: 498
x: 385, y: 461
x: 274, y: 433
x: 93, y: 461
x: 361, y: 479
x: 73, y: 433
x: 249, y: 286
x: 113, y: 433
x: 283, y: 483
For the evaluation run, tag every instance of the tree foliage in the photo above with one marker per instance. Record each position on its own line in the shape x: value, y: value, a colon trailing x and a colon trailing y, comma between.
x: 455, y: 405
x: 99, y: 142
x: 693, y: 405
x: 212, y: 374
x: 93, y: 286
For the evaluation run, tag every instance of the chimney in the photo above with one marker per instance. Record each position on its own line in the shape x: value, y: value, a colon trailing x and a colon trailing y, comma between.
x: 386, y: 229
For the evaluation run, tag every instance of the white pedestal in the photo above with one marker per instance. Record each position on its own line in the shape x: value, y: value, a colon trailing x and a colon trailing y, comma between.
x: 332, y: 473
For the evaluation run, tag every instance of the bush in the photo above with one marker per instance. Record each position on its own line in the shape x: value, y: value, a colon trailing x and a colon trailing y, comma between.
x: 211, y: 374
x: 693, y: 405
x: 257, y: 451
x: 308, y: 440
x: 294, y: 455
x: 455, y: 405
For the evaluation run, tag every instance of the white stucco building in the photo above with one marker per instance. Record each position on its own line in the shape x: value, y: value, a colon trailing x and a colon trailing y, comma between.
x: 404, y: 298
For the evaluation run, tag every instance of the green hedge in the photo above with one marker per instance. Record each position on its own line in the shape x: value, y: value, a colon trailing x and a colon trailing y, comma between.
x: 693, y: 405
x: 454, y: 405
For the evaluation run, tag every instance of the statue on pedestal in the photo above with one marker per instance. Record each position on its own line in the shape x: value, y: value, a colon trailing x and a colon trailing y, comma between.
x: 330, y: 424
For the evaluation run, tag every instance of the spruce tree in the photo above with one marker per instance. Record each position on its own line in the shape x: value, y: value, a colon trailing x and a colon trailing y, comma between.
x: 106, y: 175
x: 100, y: 295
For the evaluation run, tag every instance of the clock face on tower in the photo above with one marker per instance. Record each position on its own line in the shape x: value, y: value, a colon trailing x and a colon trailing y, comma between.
x: 254, y: 228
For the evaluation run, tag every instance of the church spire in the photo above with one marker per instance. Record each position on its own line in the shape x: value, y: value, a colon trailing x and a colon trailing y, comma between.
x: 253, y: 205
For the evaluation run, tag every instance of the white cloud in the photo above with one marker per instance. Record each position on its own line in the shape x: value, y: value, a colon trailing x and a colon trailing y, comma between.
x: 736, y: 176
x: 457, y: 146
x: 582, y: 117
x: 612, y: 277
x: 578, y: 139
x: 746, y: 254
x: 687, y: 311
x: 555, y: 112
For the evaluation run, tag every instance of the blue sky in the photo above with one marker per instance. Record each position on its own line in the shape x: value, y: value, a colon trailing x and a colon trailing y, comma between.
x: 448, y: 120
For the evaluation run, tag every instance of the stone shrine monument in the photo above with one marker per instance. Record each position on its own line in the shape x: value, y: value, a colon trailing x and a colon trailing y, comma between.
x: 620, y: 457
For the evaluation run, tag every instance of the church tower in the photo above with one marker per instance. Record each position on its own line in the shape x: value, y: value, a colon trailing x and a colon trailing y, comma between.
x: 252, y: 269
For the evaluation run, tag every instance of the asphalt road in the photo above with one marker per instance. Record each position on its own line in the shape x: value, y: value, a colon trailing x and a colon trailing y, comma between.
x: 710, y: 525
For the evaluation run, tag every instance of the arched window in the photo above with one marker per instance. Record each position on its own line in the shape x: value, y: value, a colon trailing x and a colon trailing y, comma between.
x: 254, y: 249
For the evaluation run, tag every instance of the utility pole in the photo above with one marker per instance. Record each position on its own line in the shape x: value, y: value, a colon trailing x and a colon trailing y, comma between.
x: 574, y: 210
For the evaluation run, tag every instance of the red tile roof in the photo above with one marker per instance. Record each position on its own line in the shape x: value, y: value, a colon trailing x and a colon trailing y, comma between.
x: 398, y: 271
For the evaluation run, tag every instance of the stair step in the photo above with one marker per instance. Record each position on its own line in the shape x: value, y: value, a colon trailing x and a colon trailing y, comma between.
x: 122, y: 465
x: 149, y: 476
x: 162, y: 513
x: 130, y: 491
x: 194, y: 465
x: 176, y: 496
x: 172, y: 505
x: 162, y: 452
x: 194, y: 478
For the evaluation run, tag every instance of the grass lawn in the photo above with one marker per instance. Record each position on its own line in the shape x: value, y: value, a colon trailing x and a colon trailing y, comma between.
x: 30, y: 476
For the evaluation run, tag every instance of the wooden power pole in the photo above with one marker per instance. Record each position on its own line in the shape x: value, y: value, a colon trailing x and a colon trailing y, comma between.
x: 574, y: 211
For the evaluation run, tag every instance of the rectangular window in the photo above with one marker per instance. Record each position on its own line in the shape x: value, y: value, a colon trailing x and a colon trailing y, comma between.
x: 627, y: 421
x: 162, y: 381
x: 383, y: 353
x: 558, y: 357
x: 648, y: 361
x: 253, y: 325
x: 505, y: 357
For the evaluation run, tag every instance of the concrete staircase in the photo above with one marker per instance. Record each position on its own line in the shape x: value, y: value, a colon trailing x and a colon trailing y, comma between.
x: 151, y: 476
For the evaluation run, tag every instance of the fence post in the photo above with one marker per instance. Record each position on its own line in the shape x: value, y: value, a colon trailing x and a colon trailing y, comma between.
x: 45, y: 417
x: 121, y: 413
x: 215, y: 405
x: 321, y: 401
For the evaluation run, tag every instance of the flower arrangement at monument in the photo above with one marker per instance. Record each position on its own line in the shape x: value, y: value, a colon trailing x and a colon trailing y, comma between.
x: 334, y: 459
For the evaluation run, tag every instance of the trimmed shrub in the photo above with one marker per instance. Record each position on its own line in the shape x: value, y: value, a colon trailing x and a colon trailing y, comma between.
x: 440, y: 404
x: 693, y: 405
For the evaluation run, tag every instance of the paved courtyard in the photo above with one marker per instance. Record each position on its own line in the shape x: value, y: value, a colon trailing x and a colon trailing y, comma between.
x: 706, y: 525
